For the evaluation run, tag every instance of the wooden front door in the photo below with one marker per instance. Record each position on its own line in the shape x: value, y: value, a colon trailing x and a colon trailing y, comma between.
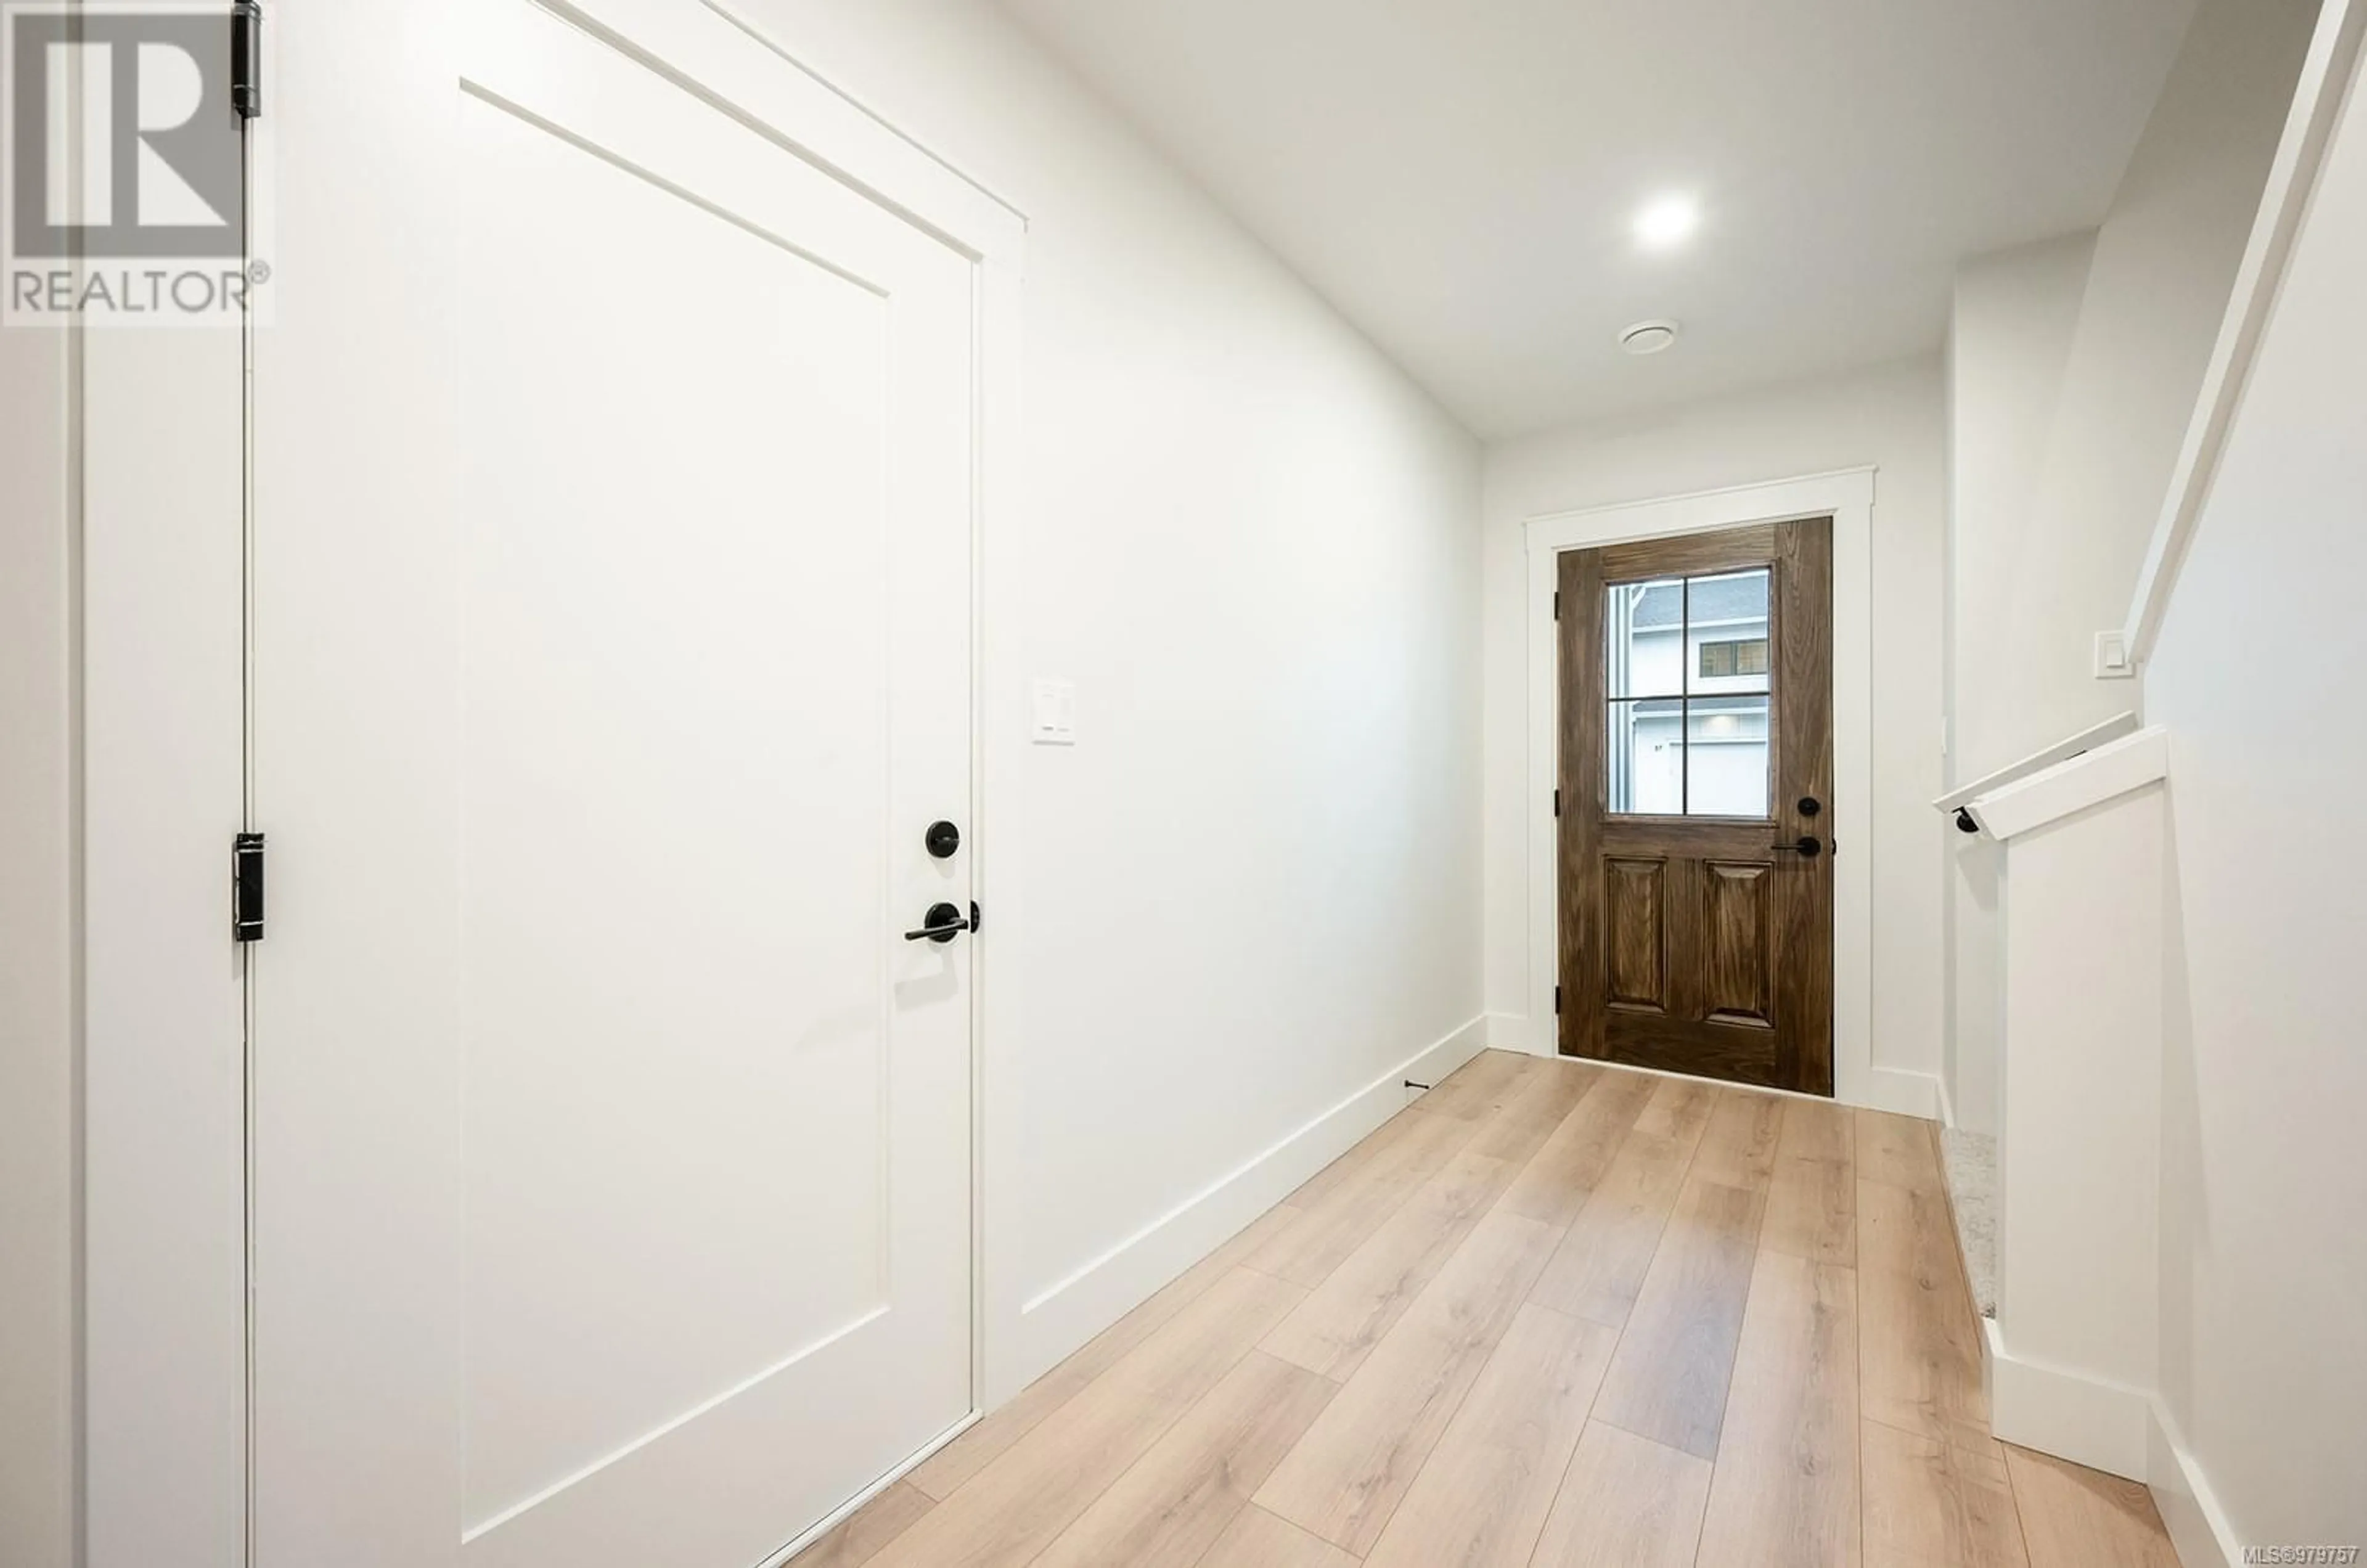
x: 1697, y: 809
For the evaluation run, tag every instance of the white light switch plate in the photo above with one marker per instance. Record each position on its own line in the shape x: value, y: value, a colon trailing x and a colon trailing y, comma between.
x: 2112, y: 657
x: 1052, y: 713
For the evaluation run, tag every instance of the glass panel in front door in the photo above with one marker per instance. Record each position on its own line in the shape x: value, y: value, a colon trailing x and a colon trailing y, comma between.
x: 1689, y: 682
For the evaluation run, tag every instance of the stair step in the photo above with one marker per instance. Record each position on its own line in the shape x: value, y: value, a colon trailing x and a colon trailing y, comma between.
x: 1971, y: 1162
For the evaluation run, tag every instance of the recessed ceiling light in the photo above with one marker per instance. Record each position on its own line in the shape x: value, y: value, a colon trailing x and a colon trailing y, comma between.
x: 1667, y: 221
x: 1648, y: 337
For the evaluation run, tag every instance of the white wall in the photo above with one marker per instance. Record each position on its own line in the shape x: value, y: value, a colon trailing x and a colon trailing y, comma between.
x: 2012, y: 324
x: 37, y: 1065
x: 2010, y: 327
x: 2156, y: 287
x: 1891, y: 416
x: 2074, y: 368
x: 1252, y: 886
x: 2264, y: 1263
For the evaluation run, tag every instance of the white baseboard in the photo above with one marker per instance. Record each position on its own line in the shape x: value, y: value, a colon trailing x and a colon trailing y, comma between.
x: 2090, y: 1422
x: 1513, y: 1031
x: 1888, y: 1089
x: 2086, y: 1420
x: 1905, y: 1092
x: 2190, y: 1510
x: 1074, y: 1309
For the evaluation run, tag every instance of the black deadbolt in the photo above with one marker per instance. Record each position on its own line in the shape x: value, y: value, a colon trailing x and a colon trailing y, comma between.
x: 1810, y: 805
x: 942, y: 838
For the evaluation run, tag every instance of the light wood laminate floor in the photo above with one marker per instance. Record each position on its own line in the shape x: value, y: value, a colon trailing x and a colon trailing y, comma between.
x: 1552, y: 1314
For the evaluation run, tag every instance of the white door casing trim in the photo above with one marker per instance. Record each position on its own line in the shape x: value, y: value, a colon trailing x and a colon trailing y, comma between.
x: 1847, y: 496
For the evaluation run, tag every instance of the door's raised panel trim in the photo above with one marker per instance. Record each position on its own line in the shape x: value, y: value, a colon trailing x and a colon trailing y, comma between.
x: 652, y: 177
x: 706, y: 49
x: 739, y: 19
x: 1738, y: 939
x: 660, y: 1433
x: 1635, y: 909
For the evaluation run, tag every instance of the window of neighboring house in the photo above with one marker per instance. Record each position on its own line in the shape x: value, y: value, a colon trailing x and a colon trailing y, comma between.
x: 1725, y: 661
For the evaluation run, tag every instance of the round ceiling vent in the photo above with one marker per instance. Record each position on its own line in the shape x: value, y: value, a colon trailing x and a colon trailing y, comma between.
x: 1648, y: 337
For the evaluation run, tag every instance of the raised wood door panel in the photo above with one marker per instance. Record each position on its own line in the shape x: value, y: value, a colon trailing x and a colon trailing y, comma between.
x: 1635, y: 933
x: 1738, y: 920
x: 1691, y: 940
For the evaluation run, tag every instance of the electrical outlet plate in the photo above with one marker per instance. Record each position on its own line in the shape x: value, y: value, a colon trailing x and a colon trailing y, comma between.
x: 2113, y: 661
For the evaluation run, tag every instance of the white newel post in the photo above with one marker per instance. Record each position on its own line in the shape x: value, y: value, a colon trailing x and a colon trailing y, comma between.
x: 2073, y: 1349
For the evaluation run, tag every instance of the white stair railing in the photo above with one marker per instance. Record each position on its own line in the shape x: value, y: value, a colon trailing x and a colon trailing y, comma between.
x: 1958, y: 802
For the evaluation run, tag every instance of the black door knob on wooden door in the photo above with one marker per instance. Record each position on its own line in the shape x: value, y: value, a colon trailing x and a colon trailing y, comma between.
x: 1806, y: 845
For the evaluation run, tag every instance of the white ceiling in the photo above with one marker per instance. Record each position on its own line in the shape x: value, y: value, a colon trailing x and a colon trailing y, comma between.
x: 1459, y: 175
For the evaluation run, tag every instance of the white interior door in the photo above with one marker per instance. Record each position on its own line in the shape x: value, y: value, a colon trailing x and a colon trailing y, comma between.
x: 600, y: 1091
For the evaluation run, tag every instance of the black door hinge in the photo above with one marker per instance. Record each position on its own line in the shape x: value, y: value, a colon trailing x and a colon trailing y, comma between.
x: 1556, y: 1001
x: 1557, y: 803
x: 1557, y: 604
x: 246, y: 887
x: 247, y: 58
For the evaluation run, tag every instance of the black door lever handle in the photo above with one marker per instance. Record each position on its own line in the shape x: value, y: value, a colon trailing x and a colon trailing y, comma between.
x: 942, y: 923
x: 1807, y: 844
